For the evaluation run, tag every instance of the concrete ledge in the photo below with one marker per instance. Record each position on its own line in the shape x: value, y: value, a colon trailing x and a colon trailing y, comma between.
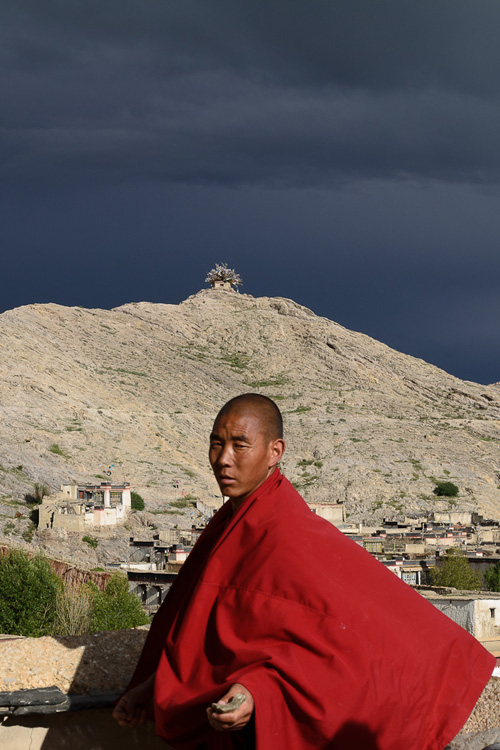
x: 51, y: 700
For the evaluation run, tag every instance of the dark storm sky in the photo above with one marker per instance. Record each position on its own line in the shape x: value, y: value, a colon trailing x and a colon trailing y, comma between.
x: 343, y: 153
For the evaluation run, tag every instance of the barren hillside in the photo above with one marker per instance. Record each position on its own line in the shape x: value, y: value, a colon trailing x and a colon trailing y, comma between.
x: 138, y: 387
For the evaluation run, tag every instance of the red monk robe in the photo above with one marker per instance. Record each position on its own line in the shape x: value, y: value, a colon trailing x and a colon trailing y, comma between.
x: 336, y: 651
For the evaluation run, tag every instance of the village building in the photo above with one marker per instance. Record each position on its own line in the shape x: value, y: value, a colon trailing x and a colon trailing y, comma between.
x: 85, y: 507
x: 333, y: 512
x: 153, y: 564
x: 412, y: 572
x: 476, y: 612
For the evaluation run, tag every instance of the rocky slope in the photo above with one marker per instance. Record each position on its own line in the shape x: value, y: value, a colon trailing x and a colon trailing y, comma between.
x: 139, y: 386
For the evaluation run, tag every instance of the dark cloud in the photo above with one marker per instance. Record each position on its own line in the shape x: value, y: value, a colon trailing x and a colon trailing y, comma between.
x: 353, y: 43
x: 251, y: 93
x: 343, y: 153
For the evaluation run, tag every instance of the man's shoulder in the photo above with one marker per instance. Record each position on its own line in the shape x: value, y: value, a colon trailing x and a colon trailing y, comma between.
x: 288, y: 507
x: 284, y: 521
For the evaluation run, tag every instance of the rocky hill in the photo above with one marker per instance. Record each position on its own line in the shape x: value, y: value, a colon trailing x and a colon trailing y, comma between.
x: 138, y: 387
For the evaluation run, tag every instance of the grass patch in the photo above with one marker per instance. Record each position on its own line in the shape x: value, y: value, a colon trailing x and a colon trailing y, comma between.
x: 397, y: 506
x: 54, y: 448
x: 188, y: 501
x: 27, y: 534
x: 299, y: 410
x: 274, y: 380
x: 123, y: 371
x: 237, y: 361
x: 188, y: 472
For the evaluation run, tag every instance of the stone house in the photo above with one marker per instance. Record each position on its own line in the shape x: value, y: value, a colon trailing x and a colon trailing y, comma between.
x: 85, y: 507
x: 333, y: 512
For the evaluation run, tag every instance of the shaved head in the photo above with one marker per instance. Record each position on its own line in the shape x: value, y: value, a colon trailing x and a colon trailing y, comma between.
x: 258, y: 406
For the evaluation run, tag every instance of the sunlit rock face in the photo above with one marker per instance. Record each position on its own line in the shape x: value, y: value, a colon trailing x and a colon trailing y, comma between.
x: 134, y: 391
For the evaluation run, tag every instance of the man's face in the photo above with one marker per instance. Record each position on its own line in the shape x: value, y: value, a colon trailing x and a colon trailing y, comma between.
x: 241, y: 454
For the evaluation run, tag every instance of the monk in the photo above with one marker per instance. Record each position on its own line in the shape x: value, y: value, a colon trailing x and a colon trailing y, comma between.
x: 282, y: 634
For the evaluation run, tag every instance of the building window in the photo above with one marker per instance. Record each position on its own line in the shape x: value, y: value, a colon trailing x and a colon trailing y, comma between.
x: 409, y: 577
x: 492, y: 612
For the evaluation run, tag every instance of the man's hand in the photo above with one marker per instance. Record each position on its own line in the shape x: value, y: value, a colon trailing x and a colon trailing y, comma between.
x: 136, y: 706
x: 232, y: 720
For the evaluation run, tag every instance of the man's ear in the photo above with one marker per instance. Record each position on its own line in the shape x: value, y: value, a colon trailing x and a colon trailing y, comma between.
x: 277, y: 450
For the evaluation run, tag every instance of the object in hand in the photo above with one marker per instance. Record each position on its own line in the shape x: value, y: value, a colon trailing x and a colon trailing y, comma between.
x: 235, y: 702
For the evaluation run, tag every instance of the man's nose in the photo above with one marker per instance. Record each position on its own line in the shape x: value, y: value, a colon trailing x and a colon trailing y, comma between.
x: 224, y: 457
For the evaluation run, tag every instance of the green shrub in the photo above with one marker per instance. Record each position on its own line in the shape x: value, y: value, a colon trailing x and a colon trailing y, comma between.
x: 116, y: 607
x: 28, y: 594
x: 492, y: 577
x: 91, y: 541
x: 446, y: 489
x: 457, y: 572
x: 35, y: 602
x: 136, y: 501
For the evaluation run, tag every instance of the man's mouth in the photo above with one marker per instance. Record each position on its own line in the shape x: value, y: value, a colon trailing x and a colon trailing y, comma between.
x: 226, y: 480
